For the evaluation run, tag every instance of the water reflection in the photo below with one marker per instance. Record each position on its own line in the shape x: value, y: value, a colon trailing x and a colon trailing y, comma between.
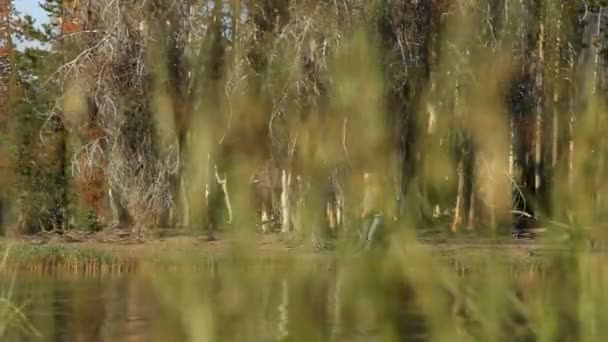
x: 307, y: 303
x: 81, y: 309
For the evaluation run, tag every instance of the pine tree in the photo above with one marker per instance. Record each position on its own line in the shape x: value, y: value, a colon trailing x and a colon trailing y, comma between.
x: 37, y: 184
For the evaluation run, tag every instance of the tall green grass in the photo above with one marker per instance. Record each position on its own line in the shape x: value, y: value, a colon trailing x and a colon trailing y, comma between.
x: 403, y: 290
x: 338, y: 117
x: 12, y: 314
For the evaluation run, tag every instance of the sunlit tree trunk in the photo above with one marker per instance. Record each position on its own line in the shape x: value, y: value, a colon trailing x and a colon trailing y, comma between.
x: 286, y: 219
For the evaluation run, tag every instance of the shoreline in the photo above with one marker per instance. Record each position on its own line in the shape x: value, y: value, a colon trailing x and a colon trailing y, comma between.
x: 94, y: 256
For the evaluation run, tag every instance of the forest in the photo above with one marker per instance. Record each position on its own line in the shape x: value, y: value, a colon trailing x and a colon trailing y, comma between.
x: 469, y: 115
x: 210, y: 170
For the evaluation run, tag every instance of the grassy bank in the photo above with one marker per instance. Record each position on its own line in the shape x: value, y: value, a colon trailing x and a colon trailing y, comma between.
x: 65, y: 258
x: 94, y: 257
x: 177, y: 253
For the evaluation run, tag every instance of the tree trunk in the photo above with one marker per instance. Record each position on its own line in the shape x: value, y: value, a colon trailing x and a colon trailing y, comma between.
x: 285, y: 202
x: 571, y: 128
x: 598, y: 150
x: 61, y: 201
x: 511, y: 169
x: 120, y: 215
x: 114, y: 208
x: 334, y: 203
x: 472, y: 211
x: 555, y: 134
x: 185, y: 203
x: 472, y: 173
x: 556, y: 89
x: 223, y: 183
x: 571, y: 119
x: 211, y: 219
x: 596, y: 47
x: 538, y: 135
x: 7, y: 87
x: 599, y: 181
x: 459, y: 207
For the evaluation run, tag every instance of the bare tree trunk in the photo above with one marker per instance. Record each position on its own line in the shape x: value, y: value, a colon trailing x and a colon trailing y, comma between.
x: 333, y: 203
x: 459, y: 208
x: 571, y: 120
x: 555, y: 134
x: 339, y: 208
x: 329, y: 212
x: 432, y: 123
x: 285, y: 204
x: 556, y: 90
x: 223, y: 183
x: 596, y: 48
x: 600, y: 159
x: 538, y: 136
x: 211, y: 198
x: 265, y: 218
x: 263, y: 198
x: 599, y: 181
x: 185, y: 205
x: 119, y: 215
x: 511, y: 147
x: 236, y: 15
x: 571, y: 127
x: 472, y: 214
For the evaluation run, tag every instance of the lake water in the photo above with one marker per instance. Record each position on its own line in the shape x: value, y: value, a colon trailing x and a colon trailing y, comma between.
x: 80, y: 309
x: 229, y: 305
x: 307, y: 301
